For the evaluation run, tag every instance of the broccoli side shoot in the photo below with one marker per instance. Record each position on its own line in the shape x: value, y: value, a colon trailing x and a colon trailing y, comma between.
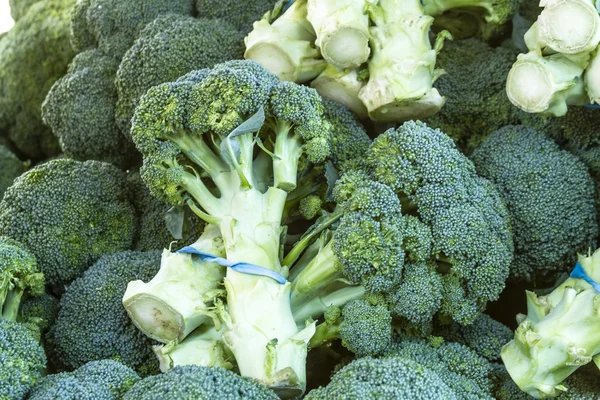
x: 22, y: 360
x: 167, y: 48
x: 194, y: 382
x: 10, y: 168
x: 113, y: 25
x: 549, y: 195
x: 69, y: 213
x: 96, y: 380
x: 33, y: 55
x: 92, y: 323
x: 80, y: 109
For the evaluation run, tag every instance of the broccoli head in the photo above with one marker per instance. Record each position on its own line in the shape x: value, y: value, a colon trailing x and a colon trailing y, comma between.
x: 18, y: 8
x: 241, y: 14
x: 96, y: 380
x: 92, y: 323
x: 69, y: 213
x: 113, y: 25
x: 80, y: 109
x: 33, y: 55
x: 40, y: 311
x: 10, y: 168
x: 168, y: 48
x: 202, y: 383
x: 22, y: 360
x: 550, y: 198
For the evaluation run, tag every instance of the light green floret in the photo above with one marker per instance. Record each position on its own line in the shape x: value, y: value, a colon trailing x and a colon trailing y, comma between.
x: 179, y: 298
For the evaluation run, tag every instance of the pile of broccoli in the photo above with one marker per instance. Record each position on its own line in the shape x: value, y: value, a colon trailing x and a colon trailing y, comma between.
x: 299, y: 199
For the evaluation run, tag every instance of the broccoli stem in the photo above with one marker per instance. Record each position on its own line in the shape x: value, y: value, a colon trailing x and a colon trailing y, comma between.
x: 303, y: 243
x: 288, y: 150
x: 316, y: 307
x: 326, y: 333
x: 342, y: 86
x: 438, y: 7
x: 10, y: 308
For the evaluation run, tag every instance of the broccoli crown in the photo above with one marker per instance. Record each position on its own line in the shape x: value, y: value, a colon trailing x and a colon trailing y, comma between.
x: 18, y: 8
x: 419, y: 218
x: 168, y: 48
x: 92, y: 323
x: 113, y: 25
x: 10, y: 168
x: 80, y: 109
x: 69, y: 213
x: 241, y: 14
x: 33, y: 55
x: 475, y: 90
x: 40, y: 311
x: 383, y: 378
x: 159, y: 224
x: 550, y: 197
x: 201, y: 383
x: 100, y: 380
x: 366, y: 328
x: 22, y: 360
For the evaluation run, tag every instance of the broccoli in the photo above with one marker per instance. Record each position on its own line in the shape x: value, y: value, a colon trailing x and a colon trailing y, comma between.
x: 18, y: 8
x: 80, y: 109
x: 239, y: 14
x: 39, y: 313
x: 96, y: 380
x: 549, y: 196
x: 22, y: 360
x: 474, y: 87
x: 160, y: 224
x: 10, y: 168
x: 342, y: 86
x: 33, y: 55
x: 236, y: 130
x: 558, y: 335
x: 69, y: 213
x: 201, y: 383
x: 92, y: 323
x: 18, y: 274
x: 384, y: 378
x: 168, y: 48
x: 113, y: 25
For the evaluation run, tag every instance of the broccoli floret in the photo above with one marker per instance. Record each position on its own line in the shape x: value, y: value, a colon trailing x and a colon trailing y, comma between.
x: 92, y: 323
x: 383, y: 378
x: 549, y: 195
x: 160, y: 224
x: 69, y: 213
x: 168, y: 48
x: 40, y: 312
x: 202, y: 383
x: 18, y: 8
x: 22, y: 360
x: 33, y: 55
x: 101, y: 380
x: 80, y: 109
x: 474, y: 87
x: 113, y: 25
x: 10, y: 168
x: 240, y: 14
x: 18, y: 274
x: 237, y: 131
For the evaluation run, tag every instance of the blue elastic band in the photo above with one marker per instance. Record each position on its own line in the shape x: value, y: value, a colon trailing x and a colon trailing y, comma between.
x: 591, y: 106
x: 579, y: 272
x: 241, y: 267
x: 287, y: 5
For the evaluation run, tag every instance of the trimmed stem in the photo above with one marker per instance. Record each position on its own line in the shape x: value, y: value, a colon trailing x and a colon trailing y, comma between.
x: 288, y: 150
x: 316, y: 307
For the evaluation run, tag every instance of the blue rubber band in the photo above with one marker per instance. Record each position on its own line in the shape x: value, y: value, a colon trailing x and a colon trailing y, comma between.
x: 287, y: 5
x: 579, y: 272
x: 241, y: 267
x: 591, y: 106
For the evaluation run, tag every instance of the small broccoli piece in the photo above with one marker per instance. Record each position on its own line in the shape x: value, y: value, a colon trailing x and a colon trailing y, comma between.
x: 96, y: 380
x: 474, y: 87
x: 383, y: 378
x: 113, y: 25
x: 202, y: 383
x: 160, y: 224
x: 33, y: 55
x: 69, y: 213
x: 22, y: 360
x: 10, y: 168
x: 168, y: 48
x: 239, y: 14
x: 40, y: 311
x: 92, y: 323
x: 549, y: 195
x: 19, y: 274
x: 18, y: 8
x: 80, y: 109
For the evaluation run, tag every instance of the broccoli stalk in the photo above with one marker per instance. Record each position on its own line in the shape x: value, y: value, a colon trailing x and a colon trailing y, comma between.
x: 545, y: 85
x: 177, y: 300
x: 342, y: 86
x: 495, y: 11
x: 285, y: 46
x: 558, y: 335
x: 342, y: 28
x: 402, y: 67
x: 592, y: 78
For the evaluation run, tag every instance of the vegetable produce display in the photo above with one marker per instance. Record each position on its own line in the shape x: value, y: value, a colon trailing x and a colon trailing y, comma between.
x: 300, y: 199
